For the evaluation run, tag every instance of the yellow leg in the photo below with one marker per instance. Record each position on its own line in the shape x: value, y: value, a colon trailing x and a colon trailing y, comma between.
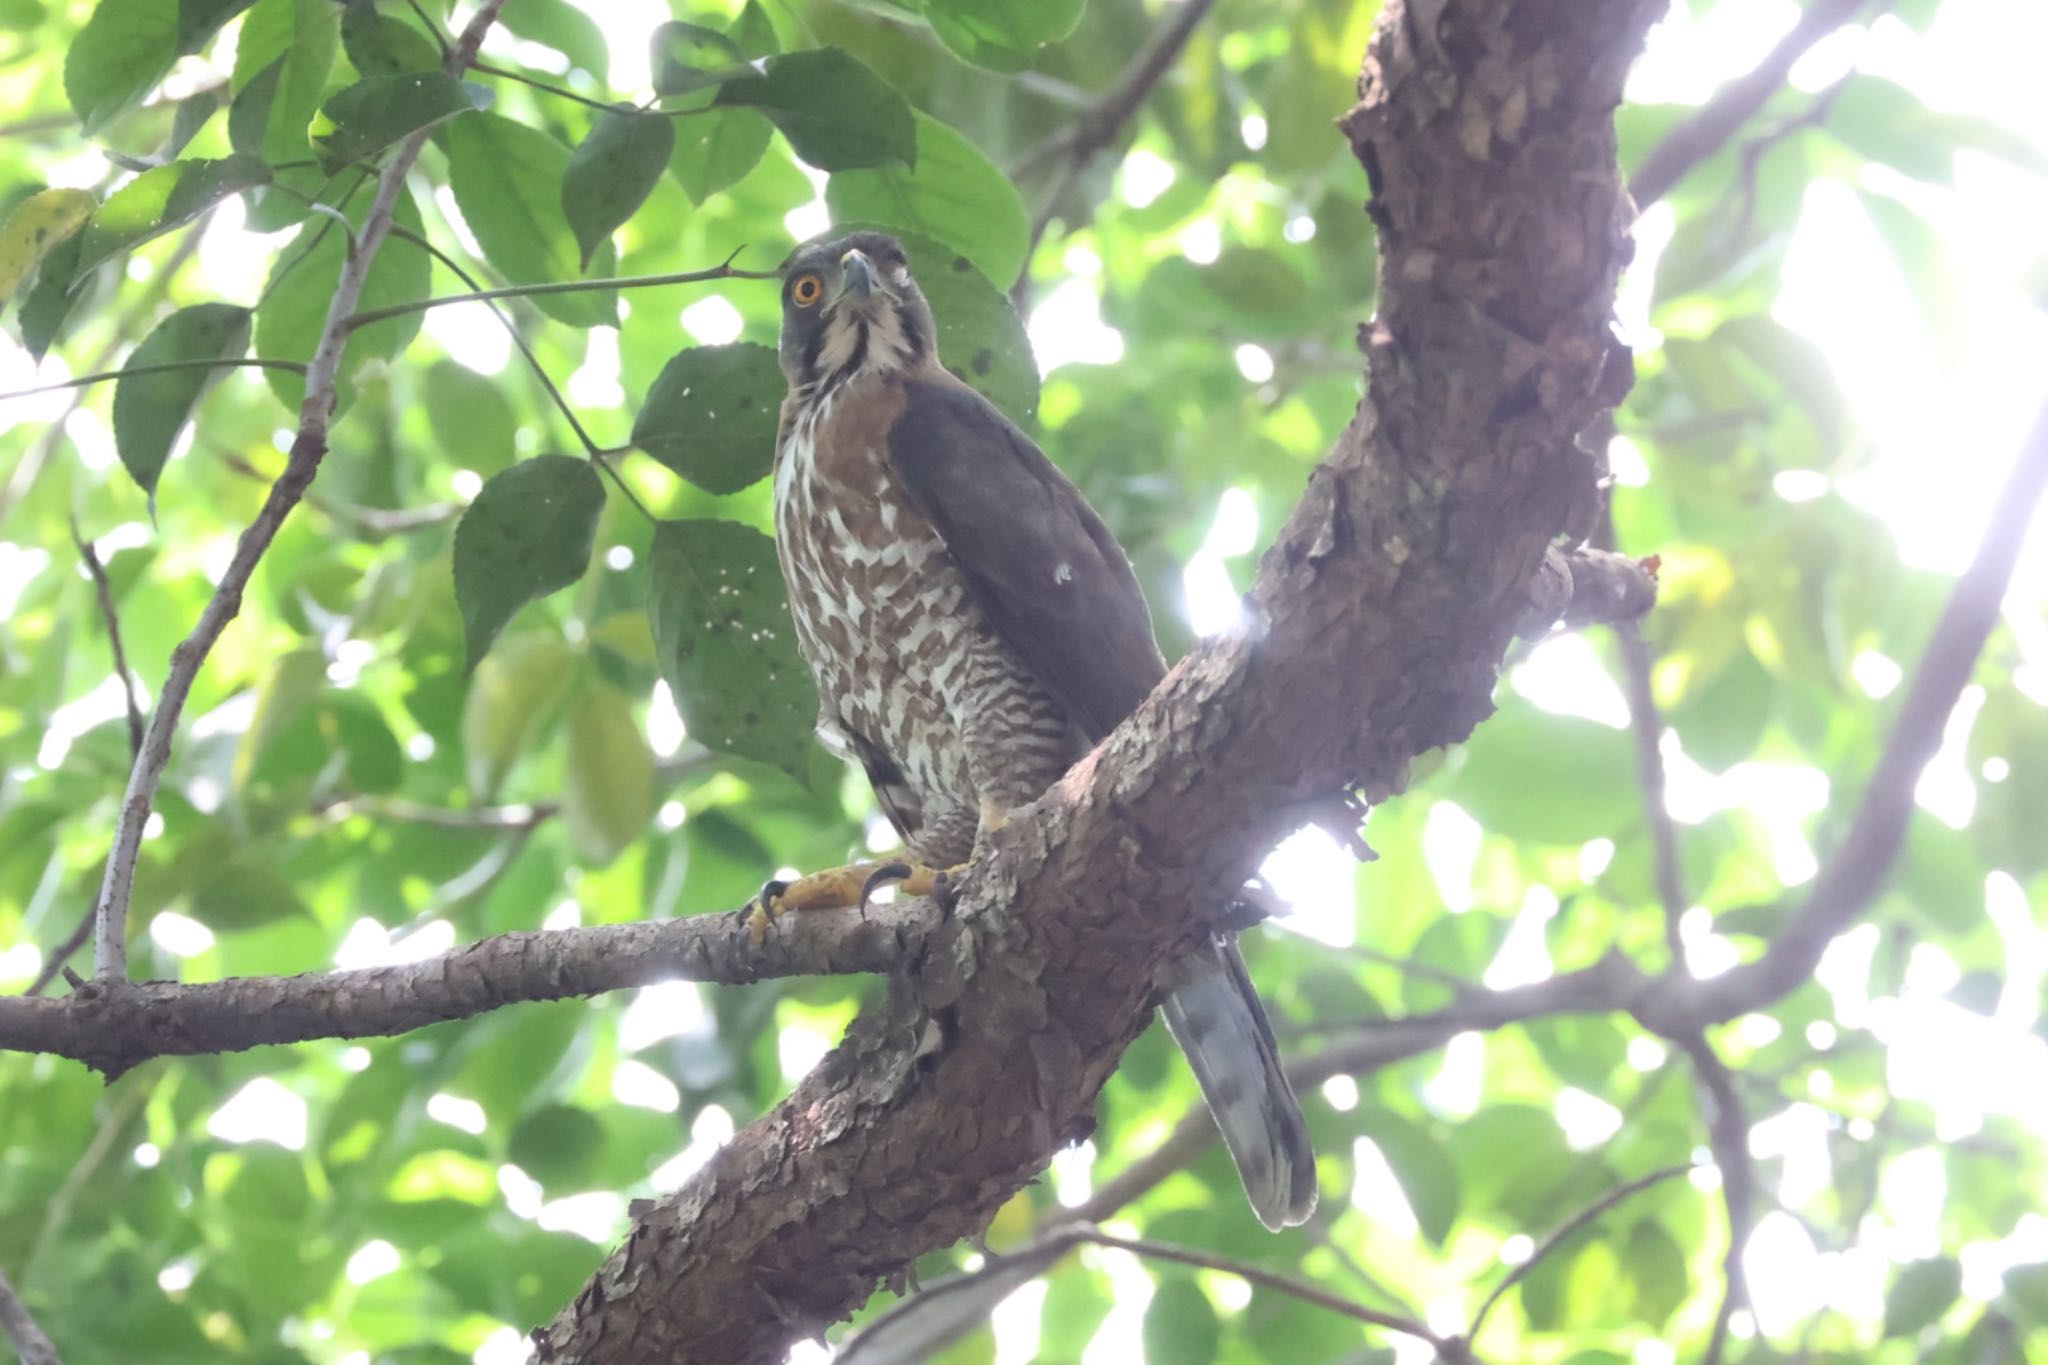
x: 841, y: 888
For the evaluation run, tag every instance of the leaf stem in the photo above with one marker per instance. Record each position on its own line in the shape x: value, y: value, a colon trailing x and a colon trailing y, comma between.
x: 557, y: 91
x: 158, y: 367
x: 718, y: 272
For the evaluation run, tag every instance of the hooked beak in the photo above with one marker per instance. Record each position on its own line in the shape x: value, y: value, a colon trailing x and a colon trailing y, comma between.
x: 857, y: 276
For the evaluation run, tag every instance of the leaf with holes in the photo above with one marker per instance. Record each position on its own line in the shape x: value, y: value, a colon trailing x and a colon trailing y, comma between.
x: 611, y: 173
x: 725, y: 645
x: 837, y: 114
x: 528, y: 533
x: 711, y: 416
x: 151, y: 409
x: 38, y: 225
x: 378, y: 111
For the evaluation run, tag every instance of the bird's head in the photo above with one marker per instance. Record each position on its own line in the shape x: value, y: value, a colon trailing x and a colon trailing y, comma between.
x: 850, y: 307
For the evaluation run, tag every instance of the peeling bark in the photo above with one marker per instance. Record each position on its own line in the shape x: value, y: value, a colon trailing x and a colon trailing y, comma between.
x: 1380, y: 619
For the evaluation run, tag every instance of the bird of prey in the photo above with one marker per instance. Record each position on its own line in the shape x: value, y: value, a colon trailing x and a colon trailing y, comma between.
x: 974, y: 629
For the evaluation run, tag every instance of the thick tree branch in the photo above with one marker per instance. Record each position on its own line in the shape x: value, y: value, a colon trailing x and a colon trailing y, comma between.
x: 112, y: 1028
x: 309, y: 446
x: 30, y: 1343
x: 1714, y: 123
x: 1380, y: 619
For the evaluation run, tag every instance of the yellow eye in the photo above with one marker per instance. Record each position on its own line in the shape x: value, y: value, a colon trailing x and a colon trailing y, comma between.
x: 807, y: 290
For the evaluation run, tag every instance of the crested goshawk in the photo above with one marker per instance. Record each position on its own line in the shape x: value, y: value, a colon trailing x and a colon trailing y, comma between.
x: 974, y: 629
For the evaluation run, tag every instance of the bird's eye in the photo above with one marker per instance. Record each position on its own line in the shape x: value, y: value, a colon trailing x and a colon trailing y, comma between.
x: 807, y: 290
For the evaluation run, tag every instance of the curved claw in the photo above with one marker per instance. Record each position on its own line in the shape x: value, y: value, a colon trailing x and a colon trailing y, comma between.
x: 761, y: 910
x: 885, y: 874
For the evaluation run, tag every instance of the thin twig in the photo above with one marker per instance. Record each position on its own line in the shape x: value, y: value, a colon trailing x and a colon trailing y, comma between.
x: 538, y: 84
x: 1728, y: 1137
x: 105, y: 592
x: 1708, y: 129
x: 159, y: 367
x: 1102, y: 122
x: 110, y: 942
x: 1617, y: 1195
x: 30, y: 1342
x: 717, y: 272
x: 1647, y: 723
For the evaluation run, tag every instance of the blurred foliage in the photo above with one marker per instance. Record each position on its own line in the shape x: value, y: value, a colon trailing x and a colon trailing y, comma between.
x: 427, y: 1197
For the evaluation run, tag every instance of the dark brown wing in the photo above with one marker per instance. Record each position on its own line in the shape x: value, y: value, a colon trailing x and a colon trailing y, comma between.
x: 1043, y: 568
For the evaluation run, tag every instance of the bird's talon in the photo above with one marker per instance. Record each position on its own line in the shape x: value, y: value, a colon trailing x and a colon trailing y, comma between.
x: 885, y: 874
x: 761, y: 912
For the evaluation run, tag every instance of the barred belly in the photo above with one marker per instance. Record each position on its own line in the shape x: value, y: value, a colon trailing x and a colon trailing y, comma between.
x: 911, y: 681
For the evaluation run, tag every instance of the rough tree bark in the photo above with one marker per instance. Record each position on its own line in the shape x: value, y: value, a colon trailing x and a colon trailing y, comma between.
x: 1380, y: 619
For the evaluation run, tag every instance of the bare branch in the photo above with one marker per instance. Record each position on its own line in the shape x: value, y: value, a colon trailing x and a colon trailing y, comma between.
x: 309, y: 446
x: 1714, y: 123
x: 30, y: 1343
x: 160, y: 367
x: 1617, y: 1195
x: 1853, y: 874
x: 940, y: 1313
x: 104, y: 591
x: 113, y: 1026
x: 1728, y: 1137
x: 1647, y: 723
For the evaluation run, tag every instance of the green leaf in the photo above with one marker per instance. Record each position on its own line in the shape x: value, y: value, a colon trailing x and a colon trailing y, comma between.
x: 716, y: 148
x: 1921, y: 1294
x: 711, y: 415
x: 1656, y: 1265
x: 612, y: 172
x: 981, y: 338
x: 1552, y: 779
x: 118, y: 57
x: 39, y: 223
x: 687, y: 57
x: 1001, y: 34
x: 528, y: 533
x: 1180, y: 1322
x: 199, y: 20
x: 194, y: 112
x: 608, y: 787
x: 513, y: 698
x: 161, y: 199
x: 294, y: 310
x: 2026, y: 1286
x: 558, y: 1145
x: 953, y: 195
x: 151, y: 409
x: 837, y: 114
x: 725, y: 645
x: 383, y: 44
x: 473, y: 424
x: 1427, y: 1176
x: 378, y: 111
x: 298, y: 38
x: 507, y: 180
x: 563, y: 27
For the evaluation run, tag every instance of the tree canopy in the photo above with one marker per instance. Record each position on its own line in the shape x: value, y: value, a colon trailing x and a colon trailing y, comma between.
x: 397, y: 699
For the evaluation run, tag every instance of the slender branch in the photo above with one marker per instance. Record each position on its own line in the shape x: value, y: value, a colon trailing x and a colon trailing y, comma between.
x: 1728, y: 1137
x: 309, y: 446
x: 159, y: 367
x: 1618, y: 1195
x: 104, y: 591
x: 717, y: 272
x: 1853, y: 874
x: 1647, y: 723
x: 913, y: 1326
x: 545, y: 86
x: 1100, y: 124
x: 1708, y: 129
x: 30, y: 1343
x: 111, y: 1029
